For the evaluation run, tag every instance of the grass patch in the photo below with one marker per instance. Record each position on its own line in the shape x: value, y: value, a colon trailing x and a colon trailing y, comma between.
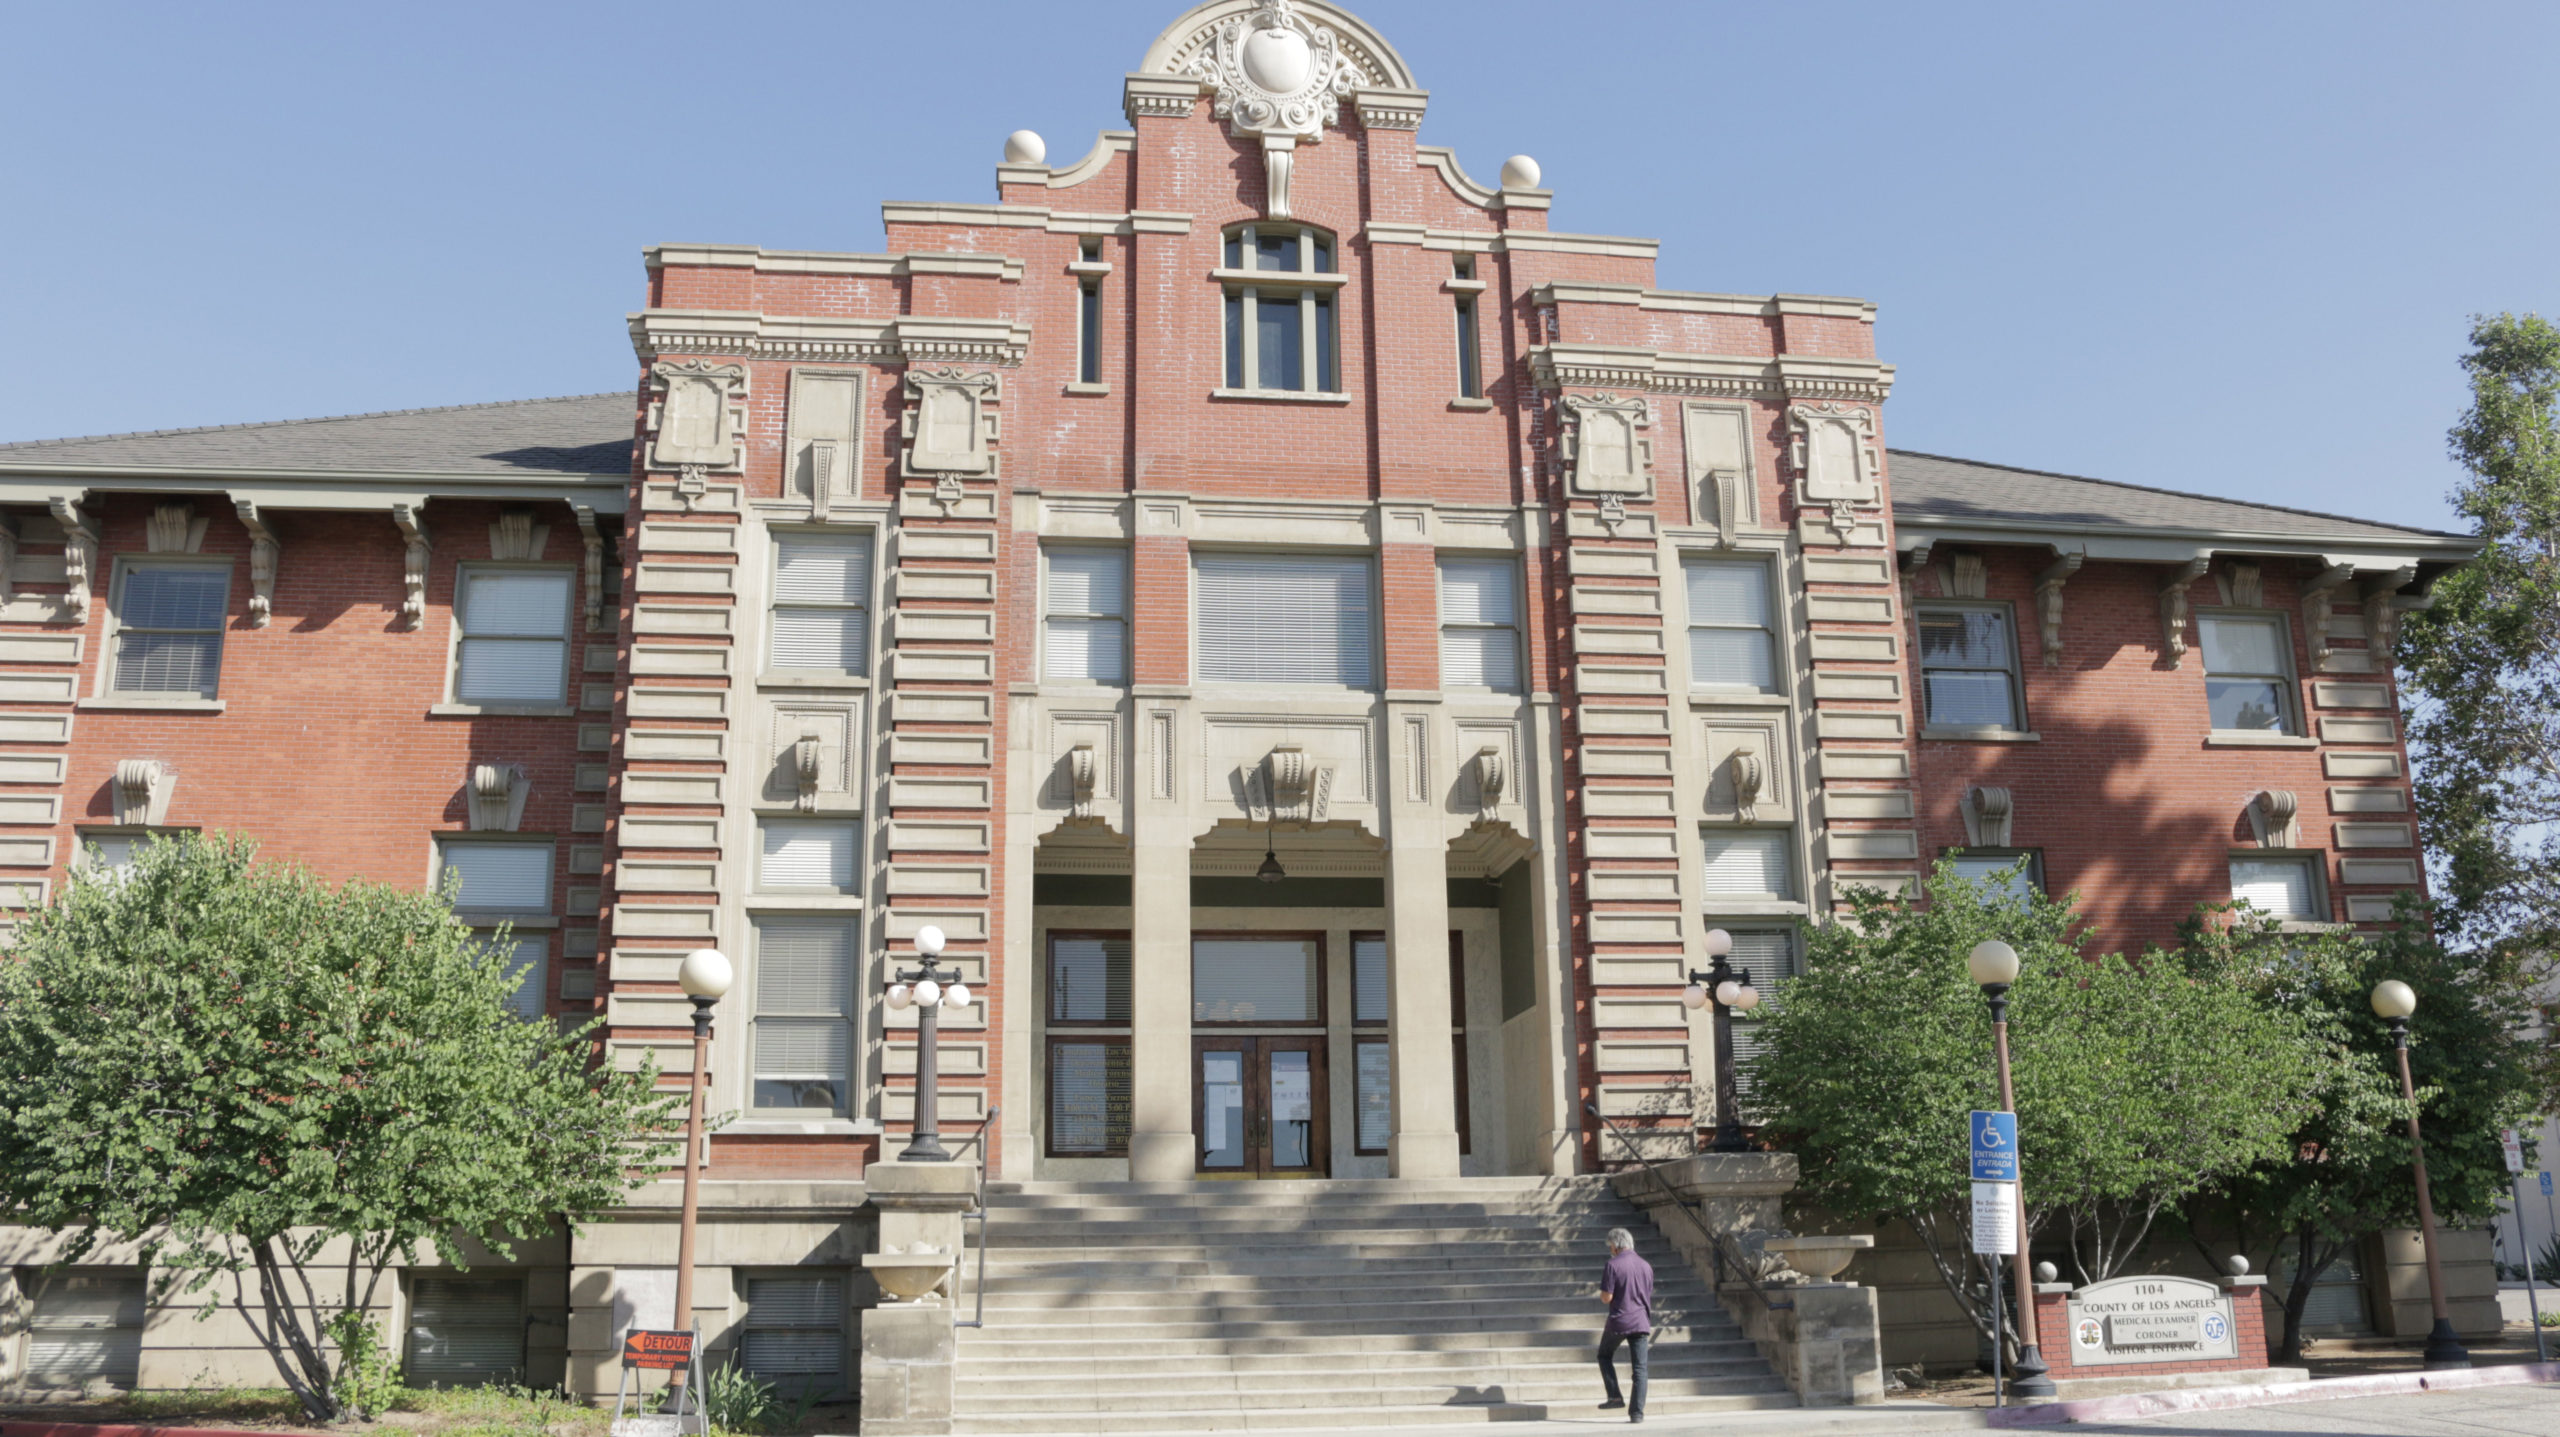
x: 208, y: 1405
x: 499, y: 1410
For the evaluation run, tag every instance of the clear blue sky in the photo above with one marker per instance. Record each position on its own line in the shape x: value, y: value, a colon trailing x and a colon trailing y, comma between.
x: 2227, y: 248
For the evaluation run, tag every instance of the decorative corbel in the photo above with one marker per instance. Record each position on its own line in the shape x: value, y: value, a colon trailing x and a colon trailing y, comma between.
x: 1279, y: 157
x: 1750, y: 775
x: 2382, y: 611
x: 804, y: 770
x: 173, y: 529
x: 2248, y: 583
x: 141, y: 792
x: 948, y: 492
x: 2049, y: 601
x: 1728, y: 487
x: 498, y: 792
x: 1081, y: 771
x: 79, y: 557
x: 513, y: 536
x: 2174, y: 604
x: 413, y: 605
x: 264, y: 551
x: 8, y: 556
x: 822, y: 477
x: 1613, y: 513
x: 691, y: 485
x: 2274, y: 817
x: 1912, y: 562
x: 1969, y: 577
x: 593, y: 537
x: 1490, y: 779
x: 1289, y: 777
x: 1987, y: 813
x: 2318, y: 596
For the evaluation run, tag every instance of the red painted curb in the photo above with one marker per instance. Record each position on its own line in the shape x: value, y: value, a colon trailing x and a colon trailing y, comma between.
x: 126, y: 1429
x: 2266, y: 1394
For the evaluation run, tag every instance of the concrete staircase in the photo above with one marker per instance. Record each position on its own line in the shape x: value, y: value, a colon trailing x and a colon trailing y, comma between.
x: 1174, y: 1307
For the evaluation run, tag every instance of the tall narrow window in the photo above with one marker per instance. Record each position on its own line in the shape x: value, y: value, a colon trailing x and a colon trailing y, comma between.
x: 1470, y: 370
x: 803, y: 1045
x: 1087, y: 637
x: 1372, y: 1094
x: 821, y: 597
x: 169, y: 629
x: 514, y: 646
x: 1088, y: 1044
x: 1089, y: 333
x: 1088, y: 978
x: 1280, y: 336
x: 1968, y: 666
x: 1286, y: 619
x: 1732, y: 641
x: 2248, y: 672
x: 1479, y: 625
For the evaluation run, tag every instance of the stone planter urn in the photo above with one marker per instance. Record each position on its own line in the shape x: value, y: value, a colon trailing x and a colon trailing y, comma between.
x: 911, y: 1276
x: 1820, y: 1259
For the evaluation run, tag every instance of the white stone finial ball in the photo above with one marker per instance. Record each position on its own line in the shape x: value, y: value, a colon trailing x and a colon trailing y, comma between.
x: 1519, y: 173
x: 1025, y: 147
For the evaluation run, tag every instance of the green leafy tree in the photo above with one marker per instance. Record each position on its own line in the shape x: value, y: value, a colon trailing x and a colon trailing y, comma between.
x: 276, y: 1090
x: 2137, y: 1083
x: 2480, y: 667
x: 2345, y: 1171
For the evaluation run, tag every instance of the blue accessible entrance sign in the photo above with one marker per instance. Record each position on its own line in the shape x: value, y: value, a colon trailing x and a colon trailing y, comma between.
x: 1995, y: 1147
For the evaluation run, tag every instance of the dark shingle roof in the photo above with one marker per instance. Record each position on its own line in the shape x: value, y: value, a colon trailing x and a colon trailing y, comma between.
x: 584, y: 435
x: 1932, y: 487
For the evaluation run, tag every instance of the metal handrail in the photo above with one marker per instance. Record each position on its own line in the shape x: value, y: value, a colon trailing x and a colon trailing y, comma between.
x: 1727, y: 1255
x: 978, y: 1289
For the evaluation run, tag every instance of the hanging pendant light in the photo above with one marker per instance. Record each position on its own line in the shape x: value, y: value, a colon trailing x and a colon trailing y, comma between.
x: 1270, y: 871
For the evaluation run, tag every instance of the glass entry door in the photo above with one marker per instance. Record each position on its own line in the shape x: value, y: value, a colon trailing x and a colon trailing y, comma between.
x: 1261, y: 1107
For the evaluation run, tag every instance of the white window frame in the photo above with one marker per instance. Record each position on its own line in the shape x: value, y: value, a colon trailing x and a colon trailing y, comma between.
x: 1781, y: 650
x: 116, y: 628
x: 2288, y: 683
x: 867, y: 606
x: 851, y: 925
x: 1440, y: 594
x: 852, y: 824
x: 569, y: 626
x: 1302, y: 287
x: 1128, y: 585
x: 1767, y: 905
x: 2017, y: 720
x: 2314, y: 862
x: 1368, y: 558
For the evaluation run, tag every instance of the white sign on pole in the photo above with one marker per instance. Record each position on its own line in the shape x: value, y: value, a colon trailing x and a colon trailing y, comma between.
x: 2514, y: 1148
x: 1995, y: 1219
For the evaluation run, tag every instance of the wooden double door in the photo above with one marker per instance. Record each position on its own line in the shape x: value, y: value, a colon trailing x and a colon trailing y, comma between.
x: 1261, y: 1106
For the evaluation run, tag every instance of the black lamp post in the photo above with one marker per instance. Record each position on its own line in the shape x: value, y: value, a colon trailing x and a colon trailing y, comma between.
x: 928, y: 988
x: 2393, y: 1002
x: 1729, y: 989
x: 1993, y: 966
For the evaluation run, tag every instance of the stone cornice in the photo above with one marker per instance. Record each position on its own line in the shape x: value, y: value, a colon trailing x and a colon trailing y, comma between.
x: 1768, y: 306
x: 885, y: 266
x: 1788, y: 376
x: 1035, y: 217
x: 904, y: 339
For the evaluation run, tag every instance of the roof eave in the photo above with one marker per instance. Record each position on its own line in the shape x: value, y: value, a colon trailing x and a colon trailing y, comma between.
x: 2149, y: 544
x: 23, y: 482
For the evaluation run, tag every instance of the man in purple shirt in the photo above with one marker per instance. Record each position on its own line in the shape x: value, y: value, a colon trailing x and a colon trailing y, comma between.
x: 1626, y: 1284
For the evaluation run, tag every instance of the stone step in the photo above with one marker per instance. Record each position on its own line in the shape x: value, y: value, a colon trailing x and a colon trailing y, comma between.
x: 1161, y: 1296
x: 1490, y: 1319
x: 979, y: 1344
x: 1595, y: 1204
x: 1224, y: 1418
x: 1349, y: 1308
x: 1347, y: 1391
x: 1473, y: 1246
x: 1685, y: 1357
x: 1086, y: 1270
x: 1305, y: 1187
x: 1012, y: 1230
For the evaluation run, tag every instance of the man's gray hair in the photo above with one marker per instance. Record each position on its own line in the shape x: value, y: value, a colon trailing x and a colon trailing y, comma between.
x: 1621, y: 1240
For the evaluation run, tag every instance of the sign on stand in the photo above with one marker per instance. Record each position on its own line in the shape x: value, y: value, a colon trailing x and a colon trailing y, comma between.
x: 2514, y: 1149
x: 644, y: 1350
x: 1995, y: 1147
x: 1995, y: 1219
x: 1995, y: 1178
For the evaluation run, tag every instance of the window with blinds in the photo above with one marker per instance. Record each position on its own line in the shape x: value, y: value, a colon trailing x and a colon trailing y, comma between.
x: 1088, y: 978
x: 821, y: 602
x: 806, y: 855
x: 1480, y: 625
x: 793, y: 1336
x: 2248, y: 671
x: 1750, y: 863
x: 1085, y: 634
x: 2002, y: 874
x: 1286, y: 619
x: 803, y: 1041
x: 1372, y: 1087
x: 1733, y: 640
x: 496, y: 876
x: 465, y: 1332
x: 1771, y: 956
x: 1368, y: 980
x: 1373, y: 1105
x: 86, y: 1327
x: 169, y: 629
x: 1261, y: 980
x: 1968, y: 666
x: 514, y: 637
x: 1089, y: 1097
x: 106, y: 855
x: 2283, y: 887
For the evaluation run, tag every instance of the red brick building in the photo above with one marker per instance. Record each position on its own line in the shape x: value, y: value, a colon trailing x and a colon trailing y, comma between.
x: 1259, y: 491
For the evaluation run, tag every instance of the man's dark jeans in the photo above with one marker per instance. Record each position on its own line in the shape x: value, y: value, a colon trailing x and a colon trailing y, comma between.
x: 1638, y: 1343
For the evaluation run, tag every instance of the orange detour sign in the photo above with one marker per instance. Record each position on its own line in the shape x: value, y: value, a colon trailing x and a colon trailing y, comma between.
x: 657, y: 1351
